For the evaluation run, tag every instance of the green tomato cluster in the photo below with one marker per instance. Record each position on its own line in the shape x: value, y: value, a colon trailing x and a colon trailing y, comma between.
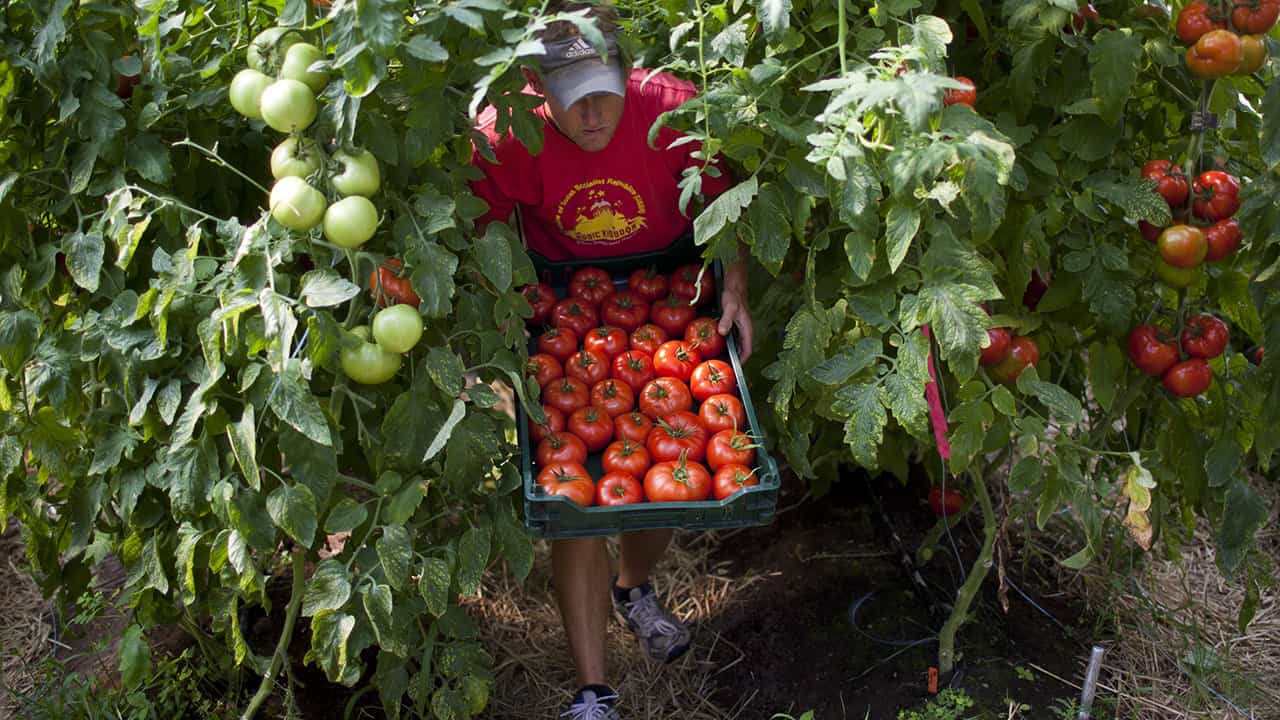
x: 287, y: 102
x: 396, y: 330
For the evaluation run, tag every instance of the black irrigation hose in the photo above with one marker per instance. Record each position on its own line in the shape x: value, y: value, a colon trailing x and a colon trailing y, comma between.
x: 853, y: 621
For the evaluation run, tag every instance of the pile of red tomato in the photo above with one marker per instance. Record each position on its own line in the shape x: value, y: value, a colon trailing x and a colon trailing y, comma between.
x: 1007, y: 355
x: 1184, y: 247
x: 637, y: 375
x: 1183, y: 367
x: 1213, y: 51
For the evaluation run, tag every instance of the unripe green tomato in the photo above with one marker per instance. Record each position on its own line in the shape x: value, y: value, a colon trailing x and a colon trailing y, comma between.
x: 267, y: 46
x: 1176, y: 277
x: 296, y: 61
x: 359, y: 174
x: 293, y: 158
x: 350, y: 222
x: 295, y: 204
x: 288, y: 105
x: 246, y: 92
x: 368, y: 363
x: 397, y: 328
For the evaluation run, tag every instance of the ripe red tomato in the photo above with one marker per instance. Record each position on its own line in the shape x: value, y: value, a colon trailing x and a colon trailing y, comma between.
x: 543, y: 369
x: 588, y: 366
x: 722, y: 412
x: 541, y: 298
x: 591, y: 284
x: 731, y: 478
x: 673, y: 315
x: 1254, y: 17
x: 559, y: 343
x: 614, y: 396
x: 693, y: 283
x: 1258, y: 355
x: 1150, y: 350
x: 712, y: 377
x: 1216, y: 54
x: 1223, y: 238
x: 634, y: 426
x: 1149, y: 231
x: 618, y: 488
x: 704, y: 335
x: 1023, y: 353
x: 626, y: 456
x: 967, y: 96
x: 1080, y: 18
x: 566, y: 394
x: 633, y: 368
x: 1188, y: 378
x: 568, y: 479
x: 388, y: 286
x: 1183, y: 246
x: 942, y: 504
x: 663, y: 396
x: 1205, y: 336
x: 593, y: 425
x: 575, y: 314
x: 560, y: 447
x: 1217, y: 195
x: 677, y: 359
x: 998, y: 349
x: 674, y: 434
x: 647, y: 338
x: 1036, y: 288
x: 626, y: 309
x: 606, y: 340
x: 648, y: 284
x: 1171, y: 183
x: 554, y: 423
x: 730, y: 447
x: 682, y: 481
x: 1196, y: 19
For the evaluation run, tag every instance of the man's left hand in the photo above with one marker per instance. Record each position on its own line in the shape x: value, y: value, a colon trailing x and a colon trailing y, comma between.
x: 733, y: 306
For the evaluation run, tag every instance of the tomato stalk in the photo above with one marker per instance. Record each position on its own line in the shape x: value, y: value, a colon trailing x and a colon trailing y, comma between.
x: 286, y: 634
x: 977, y: 574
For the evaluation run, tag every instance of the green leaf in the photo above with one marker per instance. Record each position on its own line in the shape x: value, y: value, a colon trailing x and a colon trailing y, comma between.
x: 249, y: 516
x: 433, y: 280
x: 437, y: 576
x: 1114, y: 60
x: 328, y: 589
x: 379, y: 23
x: 901, y: 226
x: 836, y: 370
x: 473, y: 557
x: 1111, y: 296
x: 958, y: 322
x: 324, y: 288
x: 904, y: 388
x: 84, y: 252
x: 768, y: 216
x: 135, y: 657
x: 493, y: 252
x: 294, y: 403
x: 864, y: 428
x: 1025, y: 474
x: 1106, y: 373
x: 1003, y: 401
x: 442, y: 437
x: 513, y: 544
x: 775, y: 18
x: 293, y: 510
x: 345, y: 516
x: 1062, y: 404
x: 1269, y: 142
x: 426, y: 49
x: 330, y: 633
x: 148, y: 154
x: 314, y: 465
x: 378, y: 606
x: 725, y: 209
x: 395, y: 550
x: 18, y: 332
x: 1223, y: 459
x: 1244, y: 513
x: 244, y: 442
x: 1136, y: 196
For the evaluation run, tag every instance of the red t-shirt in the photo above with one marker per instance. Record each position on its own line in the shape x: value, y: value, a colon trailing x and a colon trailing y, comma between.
x: 620, y: 200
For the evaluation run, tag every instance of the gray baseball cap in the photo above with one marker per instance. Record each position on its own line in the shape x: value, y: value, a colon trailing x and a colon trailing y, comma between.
x: 572, y: 69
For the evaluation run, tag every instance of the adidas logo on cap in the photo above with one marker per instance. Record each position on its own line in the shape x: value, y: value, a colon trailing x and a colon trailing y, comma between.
x: 579, y: 49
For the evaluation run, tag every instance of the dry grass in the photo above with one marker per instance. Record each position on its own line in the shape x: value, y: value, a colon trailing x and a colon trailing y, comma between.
x: 24, y: 634
x: 521, y: 627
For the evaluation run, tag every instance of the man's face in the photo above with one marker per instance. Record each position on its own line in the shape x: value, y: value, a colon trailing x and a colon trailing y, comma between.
x: 589, y: 122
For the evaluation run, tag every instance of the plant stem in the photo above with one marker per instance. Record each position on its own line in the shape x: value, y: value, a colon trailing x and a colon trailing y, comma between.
x: 978, y: 573
x: 841, y: 37
x: 282, y: 645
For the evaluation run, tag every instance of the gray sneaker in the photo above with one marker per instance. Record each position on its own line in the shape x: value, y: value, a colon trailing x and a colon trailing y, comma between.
x: 594, y: 702
x: 663, y: 637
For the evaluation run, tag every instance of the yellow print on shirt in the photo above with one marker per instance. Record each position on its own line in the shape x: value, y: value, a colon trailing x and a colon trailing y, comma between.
x: 602, y: 211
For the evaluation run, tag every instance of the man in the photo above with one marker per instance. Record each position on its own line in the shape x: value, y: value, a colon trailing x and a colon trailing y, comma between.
x: 598, y: 190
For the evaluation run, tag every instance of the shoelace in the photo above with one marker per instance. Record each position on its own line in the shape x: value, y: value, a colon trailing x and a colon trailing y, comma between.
x: 649, y: 615
x: 594, y: 710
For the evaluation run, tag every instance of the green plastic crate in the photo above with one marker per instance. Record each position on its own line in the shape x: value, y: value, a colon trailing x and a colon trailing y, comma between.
x: 555, y: 516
